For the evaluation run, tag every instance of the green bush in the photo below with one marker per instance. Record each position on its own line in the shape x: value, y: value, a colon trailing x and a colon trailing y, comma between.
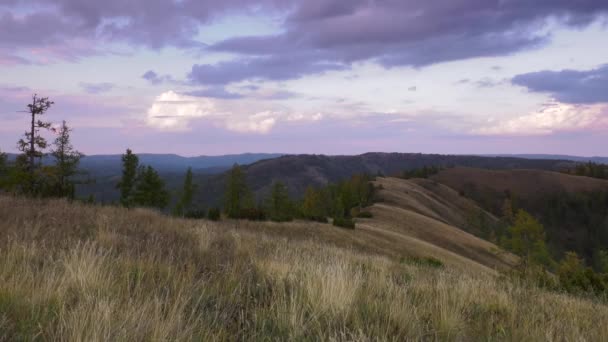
x: 196, y: 214
x: 344, y: 223
x: 214, y: 214
x: 365, y: 214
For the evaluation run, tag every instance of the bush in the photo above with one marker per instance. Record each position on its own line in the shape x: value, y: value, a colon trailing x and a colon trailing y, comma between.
x: 427, y: 261
x: 365, y: 214
x: 196, y: 214
x: 214, y: 214
x: 253, y: 214
x: 344, y: 223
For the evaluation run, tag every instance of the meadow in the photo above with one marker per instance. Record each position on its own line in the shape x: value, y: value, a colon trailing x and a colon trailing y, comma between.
x: 75, y: 272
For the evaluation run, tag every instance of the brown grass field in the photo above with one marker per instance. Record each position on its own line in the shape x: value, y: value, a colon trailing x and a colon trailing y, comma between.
x: 525, y: 183
x: 90, y: 273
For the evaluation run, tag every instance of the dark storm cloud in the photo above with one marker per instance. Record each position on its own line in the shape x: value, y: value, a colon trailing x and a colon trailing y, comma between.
x: 404, y: 33
x: 320, y: 35
x: 278, y: 68
x: 569, y: 86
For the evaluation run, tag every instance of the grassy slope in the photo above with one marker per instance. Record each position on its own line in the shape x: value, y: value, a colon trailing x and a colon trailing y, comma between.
x: 72, y: 272
x: 428, y: 217
x: 524, y: 183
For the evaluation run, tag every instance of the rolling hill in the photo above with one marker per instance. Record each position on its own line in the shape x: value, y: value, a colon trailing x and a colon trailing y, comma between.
x: 301, y: 171
x: 92, y: 273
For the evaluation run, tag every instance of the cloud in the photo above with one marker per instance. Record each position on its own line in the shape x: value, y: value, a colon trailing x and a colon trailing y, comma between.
x: 551, y: 118
x: 215, y: 92
x: 321, y: 33
x: 276, y: 68
x: 156, y: 79
x: 569, y: 86
x: 258, y: 123
x: 172, y: 111
x: 97, y: 88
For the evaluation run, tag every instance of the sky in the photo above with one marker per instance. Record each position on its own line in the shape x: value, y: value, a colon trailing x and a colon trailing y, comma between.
x: 206, y: 77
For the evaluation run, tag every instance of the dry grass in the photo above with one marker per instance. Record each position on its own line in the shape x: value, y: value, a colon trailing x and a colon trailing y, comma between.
x: 524, y: 183
x: 72, y: 272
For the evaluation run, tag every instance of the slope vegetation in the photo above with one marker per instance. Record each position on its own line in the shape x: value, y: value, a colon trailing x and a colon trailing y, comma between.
x: 84, y: 273
x: 431, y: 220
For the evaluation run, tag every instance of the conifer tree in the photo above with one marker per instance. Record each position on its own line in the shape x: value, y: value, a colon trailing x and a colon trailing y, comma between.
x: 66, y: 161
x: 130, y: 163
x: 280, y: 206
x: 32, y: 144
x: 237, y: 196
x: 150, y: 189
x: 184, y: 205
x: 312, y: 205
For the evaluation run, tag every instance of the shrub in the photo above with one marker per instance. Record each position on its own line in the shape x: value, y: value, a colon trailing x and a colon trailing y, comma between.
x: 252, y: 214
x: 196, y: 214
x: 427, y: 261
x: 213, y: 214
x: 365, y: 214
x: 344, y: 223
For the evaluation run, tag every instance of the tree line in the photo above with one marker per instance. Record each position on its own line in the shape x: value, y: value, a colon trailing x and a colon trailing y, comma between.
x: 27, y: 174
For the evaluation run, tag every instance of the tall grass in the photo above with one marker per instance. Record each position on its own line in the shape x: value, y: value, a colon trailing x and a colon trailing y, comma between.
x: 72, y: 272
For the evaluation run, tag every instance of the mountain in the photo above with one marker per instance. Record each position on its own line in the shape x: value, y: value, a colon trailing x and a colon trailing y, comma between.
x: 301, y: 171
x: 573, y: 209
x: 595, y: 159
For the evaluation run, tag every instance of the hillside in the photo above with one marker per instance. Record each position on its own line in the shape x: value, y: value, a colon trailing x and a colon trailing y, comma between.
x: 300, y: 171
x: 432, y: 220
x: 90, y: 273
x: 573, y: 209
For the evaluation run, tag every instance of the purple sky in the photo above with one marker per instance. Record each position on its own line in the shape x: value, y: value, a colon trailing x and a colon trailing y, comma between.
x: 318, y: 76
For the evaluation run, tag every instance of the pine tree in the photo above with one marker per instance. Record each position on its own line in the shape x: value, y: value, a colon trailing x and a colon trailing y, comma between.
x: 32, y: 145
x: 130, y: 163
x: 66, y: 162
x: 3, y: 170
x: 184, y: 205
x: 150, y: 189
x: 237, y: 196
x: 280, y: 206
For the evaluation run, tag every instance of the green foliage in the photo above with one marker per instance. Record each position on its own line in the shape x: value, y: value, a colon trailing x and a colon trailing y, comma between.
x: 427, y: 261
x: 526, y: 238
x: 344, y: 222
x: 66, y: 162
x: 4, y: 171
x: 423, y: 172
x: 150, y: 189
x: 214, y: 214
x: 184, y: 204
x: 237, y: 196
x: 32, y: 145
x: 590, y: 169
x: 365, y: 214
x: 575, y: 277
x: 280, y: 207
x: 313, y: 207
x: 130, y: 164
x: 195, y: 214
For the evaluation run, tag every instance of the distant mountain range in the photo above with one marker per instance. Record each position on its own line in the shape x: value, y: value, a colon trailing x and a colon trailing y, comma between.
x: 297, y: 171
x: 111, y: 165
x: 595, y: 159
